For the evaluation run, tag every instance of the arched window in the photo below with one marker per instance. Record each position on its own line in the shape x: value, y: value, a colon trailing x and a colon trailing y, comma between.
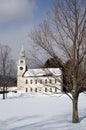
x: 26, y: 81
x: 45, y: 81
x: 50, y: 89
x: 31, y: 89
x: 26, y: 89
x: 35, y: 89
x: 21, y: 68
x: 21, y: 61
x: 45, y: 89
x: 50, y: 81
x: 31, y: 81
x: 56, y: 89
x: 55, y: 81
x: 36, y: 81
x: 41, y: 81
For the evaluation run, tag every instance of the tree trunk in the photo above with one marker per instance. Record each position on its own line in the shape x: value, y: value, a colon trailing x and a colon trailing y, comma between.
x: 3, y: 93
x: 75, y: 118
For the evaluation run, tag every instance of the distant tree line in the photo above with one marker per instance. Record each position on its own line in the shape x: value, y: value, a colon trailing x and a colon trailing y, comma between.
x: 7, y: 69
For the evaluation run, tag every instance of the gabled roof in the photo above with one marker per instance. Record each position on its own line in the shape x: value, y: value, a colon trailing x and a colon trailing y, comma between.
x: 42, y: 72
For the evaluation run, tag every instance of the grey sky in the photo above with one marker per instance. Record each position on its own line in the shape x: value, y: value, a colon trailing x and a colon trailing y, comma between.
x: 17, y: 18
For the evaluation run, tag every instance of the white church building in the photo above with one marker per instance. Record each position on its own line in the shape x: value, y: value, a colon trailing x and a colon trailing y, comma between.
x: 41, y: 80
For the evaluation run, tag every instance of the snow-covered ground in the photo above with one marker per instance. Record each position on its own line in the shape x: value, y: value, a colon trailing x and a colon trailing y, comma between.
x: 40, y: 112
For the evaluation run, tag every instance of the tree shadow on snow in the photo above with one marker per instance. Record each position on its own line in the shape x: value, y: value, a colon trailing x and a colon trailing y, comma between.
x: 52, y: 123
x: 82, y: 118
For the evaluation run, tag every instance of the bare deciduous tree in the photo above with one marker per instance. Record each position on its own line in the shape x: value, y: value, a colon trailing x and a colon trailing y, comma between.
x: 6, y: 66
x: 65, y: 28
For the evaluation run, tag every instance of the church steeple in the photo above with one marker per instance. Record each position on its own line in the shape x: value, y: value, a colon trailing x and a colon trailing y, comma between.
x: 22, y: 52
x: 21, y: 63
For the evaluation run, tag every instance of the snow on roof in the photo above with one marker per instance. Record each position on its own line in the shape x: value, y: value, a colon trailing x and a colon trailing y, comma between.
x: 43, y: 72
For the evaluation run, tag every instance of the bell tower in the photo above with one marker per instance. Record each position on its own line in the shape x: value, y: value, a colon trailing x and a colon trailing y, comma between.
x: 21, y: 69
x: 21, y: 63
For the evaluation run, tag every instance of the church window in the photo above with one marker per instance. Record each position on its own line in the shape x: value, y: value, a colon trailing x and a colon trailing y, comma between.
x: 50, y: 89
x: 50, y: 81
x: 31, y: 81
x: 55, y: 81
x: 40, y: 89
x: 45, y: 89
x: 35, y: 89
x: 45, y: 81
x: 55, y: 89
x: 31, y: 89
x: 35, y: 81
x: 21, y: 68
x: 41, y: 81
x: 26, y: 89
x: 26, y: 81
x: 21, y: 61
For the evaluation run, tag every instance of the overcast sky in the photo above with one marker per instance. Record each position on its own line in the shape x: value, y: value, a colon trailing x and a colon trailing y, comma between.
x: 17, y: 18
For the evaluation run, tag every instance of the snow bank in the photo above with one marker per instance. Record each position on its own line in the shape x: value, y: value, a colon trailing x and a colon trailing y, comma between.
x: 40, y: 112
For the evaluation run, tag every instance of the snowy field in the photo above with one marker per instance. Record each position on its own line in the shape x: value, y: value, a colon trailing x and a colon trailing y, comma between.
x: 40, y: 112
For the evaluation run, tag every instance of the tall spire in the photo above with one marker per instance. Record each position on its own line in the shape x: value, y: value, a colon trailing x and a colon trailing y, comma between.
x: 22, y: 52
